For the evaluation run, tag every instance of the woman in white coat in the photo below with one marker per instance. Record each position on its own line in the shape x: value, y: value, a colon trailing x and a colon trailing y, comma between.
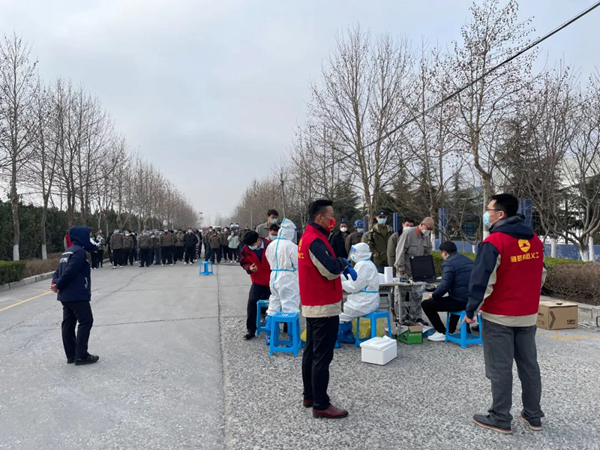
x: 364, y: 291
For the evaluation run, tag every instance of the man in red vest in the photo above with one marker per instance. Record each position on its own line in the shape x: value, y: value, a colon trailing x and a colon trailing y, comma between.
x: 321, y: 294
x: 253, y: 261
x: 505, y: 286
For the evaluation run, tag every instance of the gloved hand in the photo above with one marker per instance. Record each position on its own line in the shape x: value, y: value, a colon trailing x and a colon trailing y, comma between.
x: 350, y: 271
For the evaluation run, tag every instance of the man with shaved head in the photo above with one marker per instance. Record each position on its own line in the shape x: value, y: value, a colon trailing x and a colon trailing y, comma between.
x: 414, y: 241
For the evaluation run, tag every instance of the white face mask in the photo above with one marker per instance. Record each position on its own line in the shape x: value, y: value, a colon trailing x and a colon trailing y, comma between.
x: 344, y: 229
x: 426, y: 232
x: 272, y: 238
x: 274, y: 221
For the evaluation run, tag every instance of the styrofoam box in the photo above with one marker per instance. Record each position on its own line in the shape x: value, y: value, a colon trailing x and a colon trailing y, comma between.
x: 379, y: 350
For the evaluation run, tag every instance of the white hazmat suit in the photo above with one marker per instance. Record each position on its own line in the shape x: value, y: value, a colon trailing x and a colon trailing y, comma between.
x: 282, y: 255
x: 364, y: 298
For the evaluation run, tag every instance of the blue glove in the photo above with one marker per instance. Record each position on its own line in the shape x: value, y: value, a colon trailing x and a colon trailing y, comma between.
x: 350, y: 271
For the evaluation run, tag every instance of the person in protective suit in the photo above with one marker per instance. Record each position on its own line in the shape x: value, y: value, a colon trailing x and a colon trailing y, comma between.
x: 72, y: 282
x: 282, y: 255
x: 364, y: 291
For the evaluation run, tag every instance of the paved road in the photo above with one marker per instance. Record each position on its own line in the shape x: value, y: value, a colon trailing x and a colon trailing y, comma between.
x: 175, y: 373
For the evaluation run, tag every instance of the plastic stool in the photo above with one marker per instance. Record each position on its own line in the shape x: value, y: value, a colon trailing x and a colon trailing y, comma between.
x: 463, y: 338
x: 373, y: 317
x: 206, y: 268
x: 291, y: 345
x: 261, y: 326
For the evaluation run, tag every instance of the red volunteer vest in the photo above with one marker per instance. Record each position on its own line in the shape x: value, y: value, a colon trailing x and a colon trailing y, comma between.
x: 518, y: 278
x: 315, y: 289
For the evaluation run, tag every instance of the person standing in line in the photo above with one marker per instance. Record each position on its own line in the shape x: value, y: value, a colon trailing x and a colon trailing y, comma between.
x: 337, y: 239
x: 200, y: 241
x: 505, y: 285
x: 190, y: 240
x: 215, y: 247
x: 254, y: 261
x: 101, y: 244
x: 233, y: 241
x: 145, y: 248
x: 116, y: 245
x: 224, y: 244
x: 272, y: 219
x: 165, y: 241
x: 180, y: 244
x: 126, y: 247
x: 393, y: 242
x: 321, y: 295
x: 206, y: 242
x: 378, y: 239
x: 356, y: 236
x: 73, y: 284
x: 173, y: 248
x: 155, y: 247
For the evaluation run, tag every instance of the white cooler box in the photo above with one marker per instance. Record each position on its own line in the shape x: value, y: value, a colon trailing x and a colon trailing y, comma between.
x: 379, y: 350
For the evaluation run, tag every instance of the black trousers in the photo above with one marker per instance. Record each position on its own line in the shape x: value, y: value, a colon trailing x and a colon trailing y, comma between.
x: 234, y: 253
x: 433, y: 306
x: 189, y: 254
x: 321, y: 334
x: 101, y: 258
x: 501, y: 345
x: 179, y: 253
x: 173, y: 254
x: 166, y: 256
x: 131, y: 256
x: 215, y: 254
x: 118, y: 257
x: 257, y: 292
x: 73, y: 312
x: 145, y: 257
x: 225, y: 252
x: 94, y: 260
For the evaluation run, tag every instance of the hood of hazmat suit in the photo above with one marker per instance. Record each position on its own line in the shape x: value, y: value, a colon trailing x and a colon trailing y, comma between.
x: 282, y: 255
x: 364, y: 298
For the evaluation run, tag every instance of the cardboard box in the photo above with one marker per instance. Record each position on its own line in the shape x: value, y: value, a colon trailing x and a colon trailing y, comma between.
x: 379, y: 350
x: 557, y: 315
x: 411, y: 335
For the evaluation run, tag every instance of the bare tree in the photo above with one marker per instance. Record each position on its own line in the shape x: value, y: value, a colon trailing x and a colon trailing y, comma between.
x: 17, y: 123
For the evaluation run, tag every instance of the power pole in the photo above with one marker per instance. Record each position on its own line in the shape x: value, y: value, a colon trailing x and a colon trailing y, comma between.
x: 282, y: 194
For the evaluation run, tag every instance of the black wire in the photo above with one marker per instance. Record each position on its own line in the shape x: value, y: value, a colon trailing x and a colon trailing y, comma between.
x: 485, y: 74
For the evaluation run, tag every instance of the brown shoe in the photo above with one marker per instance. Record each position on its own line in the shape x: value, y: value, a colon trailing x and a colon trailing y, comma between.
x: 330, y: 413
x: 307, y: 403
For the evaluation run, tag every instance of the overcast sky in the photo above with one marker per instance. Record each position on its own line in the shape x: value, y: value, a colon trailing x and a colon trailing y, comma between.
x: 211, y: 91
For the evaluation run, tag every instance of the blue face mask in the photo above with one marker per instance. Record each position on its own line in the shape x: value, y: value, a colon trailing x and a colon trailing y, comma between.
x: 486, y: 220
x: 381, y: 221
x: 360, y: 230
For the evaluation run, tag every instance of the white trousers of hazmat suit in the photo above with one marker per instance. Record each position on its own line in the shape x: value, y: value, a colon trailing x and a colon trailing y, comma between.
x: 364, y: 298
x: 282, y: 255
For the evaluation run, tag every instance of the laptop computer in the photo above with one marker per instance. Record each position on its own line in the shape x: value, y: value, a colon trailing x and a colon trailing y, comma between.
x: 423, y: 269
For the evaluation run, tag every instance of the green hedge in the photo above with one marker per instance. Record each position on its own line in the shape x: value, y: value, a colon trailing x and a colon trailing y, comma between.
x: 11, y: 271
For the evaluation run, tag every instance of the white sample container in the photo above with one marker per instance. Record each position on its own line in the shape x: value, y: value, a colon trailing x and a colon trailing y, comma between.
x: 388, y: 274
x: 379, y: 350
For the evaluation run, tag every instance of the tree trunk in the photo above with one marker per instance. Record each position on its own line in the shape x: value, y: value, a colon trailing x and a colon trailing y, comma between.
x: 552, y: 247
x: 14, y: 203
x: 43, y: 230
x: 591, y: 250
x: 486, y: 186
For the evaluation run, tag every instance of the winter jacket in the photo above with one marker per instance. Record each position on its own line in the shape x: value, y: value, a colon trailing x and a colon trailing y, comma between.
x: 165, y: 240
x: 338, y: 243
x: 116, y: 242
x: 456, y: 273
x: 214, y: 241
x: 127, y: 242
x: 391, y: 249
x: 155, y: 241
x: 248, y: 257
x: 378, y: 239
x: 179, y: 239
x: 223, y: 239
x: 72, y: 277
x: 145, y: 241
x: 353, y: 239
x: 190, y: 240
x: 234, y: 241
x: 508, y: 275
x: 411, y: 243
x: 319, y: 274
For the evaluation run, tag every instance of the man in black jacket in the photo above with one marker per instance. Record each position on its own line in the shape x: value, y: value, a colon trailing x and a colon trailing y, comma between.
x: 338, y: 240
x: 456, y: 273
x: 72, y: 283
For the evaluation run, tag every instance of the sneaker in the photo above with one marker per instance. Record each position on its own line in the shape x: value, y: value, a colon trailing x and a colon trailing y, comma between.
x: 533, y: 424
x: 487, y: 422
x: 170, y: 264
x: 437, y: 337
x: 114, y: 267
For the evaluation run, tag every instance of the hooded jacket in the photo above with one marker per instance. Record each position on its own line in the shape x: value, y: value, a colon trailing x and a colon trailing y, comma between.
x: 72, y: 277
x: 508, y: 275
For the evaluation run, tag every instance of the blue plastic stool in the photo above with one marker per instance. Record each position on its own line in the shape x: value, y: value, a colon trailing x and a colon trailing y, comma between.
x: 463, y: 338
x: 261, y: 326
x: 291, y: 345
x: 206, y: 268
x: 373, y: 317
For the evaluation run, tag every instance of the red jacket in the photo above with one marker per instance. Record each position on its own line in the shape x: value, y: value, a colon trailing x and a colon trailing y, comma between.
x: 510, y: 263
x: 248, y: 257
x: 315, y: 288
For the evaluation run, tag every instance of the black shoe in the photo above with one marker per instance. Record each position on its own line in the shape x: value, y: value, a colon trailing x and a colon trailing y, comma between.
x: 91, y: 359
x: 533, y: 424
x: 70, y: 360
x: 487, y: 422
x: 249, y: 336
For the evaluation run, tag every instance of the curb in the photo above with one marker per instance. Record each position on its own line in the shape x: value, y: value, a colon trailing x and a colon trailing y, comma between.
x: 29, y: 280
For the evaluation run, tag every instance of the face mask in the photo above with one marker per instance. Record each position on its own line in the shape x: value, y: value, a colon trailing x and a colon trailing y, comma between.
x: 272, y: 238
x: 426, y: 232
x: 274, y: 221
x: 360, y: 230
x: 166, y: 231
x: 486, y: 220
x: 344, y: 229
x: 381, y: 221
x: 253, y: 247
x: 331, y: 225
